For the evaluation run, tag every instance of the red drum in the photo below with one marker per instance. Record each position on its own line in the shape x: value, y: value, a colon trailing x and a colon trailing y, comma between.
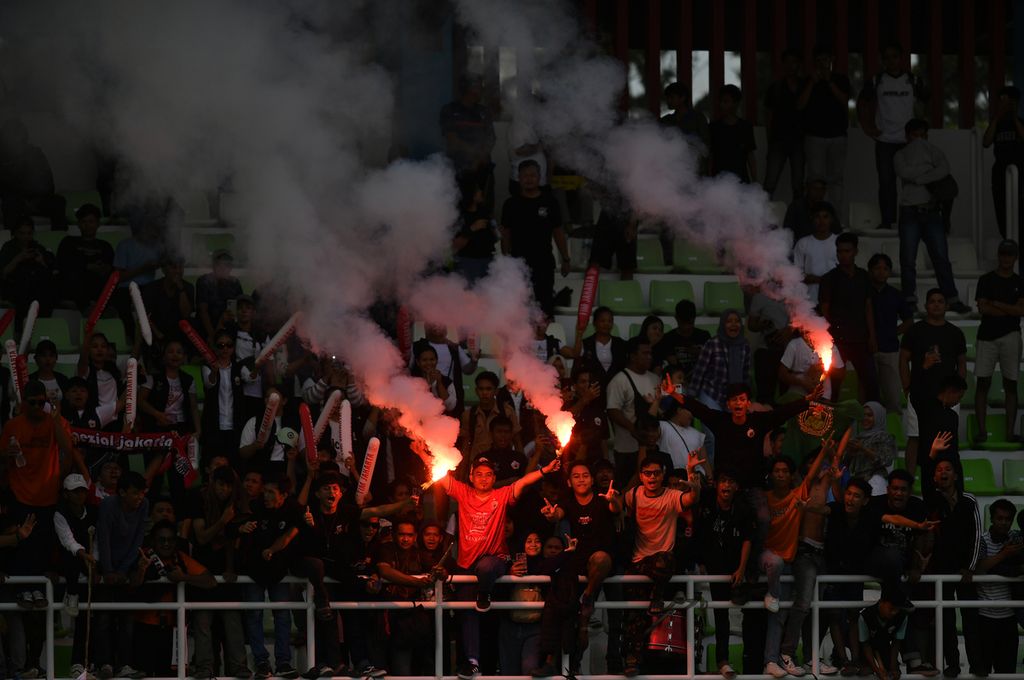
x: 669, y: 636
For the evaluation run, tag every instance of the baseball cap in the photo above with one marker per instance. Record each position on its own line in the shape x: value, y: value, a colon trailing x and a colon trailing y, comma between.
x: 1008, y: 247
x: 482, y: 461
x: 75, y: 481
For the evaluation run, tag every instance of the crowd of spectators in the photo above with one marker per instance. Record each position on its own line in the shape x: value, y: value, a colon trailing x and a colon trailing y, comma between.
x: 779, y: 477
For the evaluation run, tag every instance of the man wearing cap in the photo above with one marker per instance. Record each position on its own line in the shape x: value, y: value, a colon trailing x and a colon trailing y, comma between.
x: 169, y: 299
x: 213, y: 291
x: 34, y: 443
x: 73, y: 522
x: 482, y: 550
x: 1000, y: 297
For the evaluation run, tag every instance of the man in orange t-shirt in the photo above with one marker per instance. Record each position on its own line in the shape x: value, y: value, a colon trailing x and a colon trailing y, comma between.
x: 35, y: 441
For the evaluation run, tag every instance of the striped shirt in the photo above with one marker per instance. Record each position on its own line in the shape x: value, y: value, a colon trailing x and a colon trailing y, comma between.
x: 993, y: 591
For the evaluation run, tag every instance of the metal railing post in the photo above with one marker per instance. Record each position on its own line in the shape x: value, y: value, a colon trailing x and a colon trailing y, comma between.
x: 939, y: 652
x: 691, y: 634
x: 182, y: 632
x: 438, y: 629
x: 49, y: 629
x: 815, y: 626
x: 310, y: 627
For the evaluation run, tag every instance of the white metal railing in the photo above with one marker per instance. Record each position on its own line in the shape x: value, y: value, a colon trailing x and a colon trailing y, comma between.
x: 1012, y: 202
x: 438, y: 605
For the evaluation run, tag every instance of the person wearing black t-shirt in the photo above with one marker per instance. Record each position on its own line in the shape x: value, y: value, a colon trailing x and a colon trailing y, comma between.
x: 267, y: 540
x: 528, y: 223
x: 726, y: 530
x: 732, y: 139
x: 477, y: 233
x: 1005, y: 133
x: 510, y: 464
x: 1000, y: 297
x: 940, y: 431
x: 824, y: 104
x: 681, y: 346
x: 84, y: 261
x: 932, y: 349
x: 785, y: 126
x: 902, y: 518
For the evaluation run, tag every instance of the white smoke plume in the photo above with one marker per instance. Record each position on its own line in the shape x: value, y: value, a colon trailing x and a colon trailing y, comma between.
x: 575, y: 114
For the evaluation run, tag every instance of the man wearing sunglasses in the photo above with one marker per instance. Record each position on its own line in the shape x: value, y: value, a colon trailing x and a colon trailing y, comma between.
x: 35, y: 440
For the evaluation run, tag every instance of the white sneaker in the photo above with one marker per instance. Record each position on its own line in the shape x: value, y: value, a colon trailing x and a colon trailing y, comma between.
x: 824, y: 668
x: 775, y: 670
x: 790, y: 666
x: 71, y: 604
x: 771, y: 603
x: 727, y: 671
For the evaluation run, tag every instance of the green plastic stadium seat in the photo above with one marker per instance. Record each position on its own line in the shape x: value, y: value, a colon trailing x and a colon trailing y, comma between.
x: 50, y: 239
x: 664, y: 295
x: 622, y: 297
x: 1013, y: 476
x: 979, y: 478
x: 894, y: 425
x: 971, y: 335
x: 114, y: 330
x: 650, y: 258
x: 719, y: 297
x: 55, y: 329
x: 692, y: 259
x: 850, y: 384
x: 995, y: 426
x: 197, y: 375
x: 68, y: 369
x: 76, y: 199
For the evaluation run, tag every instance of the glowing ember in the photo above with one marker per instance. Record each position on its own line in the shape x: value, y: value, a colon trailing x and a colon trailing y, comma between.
x: 561, y: 424
x: 825, y: 353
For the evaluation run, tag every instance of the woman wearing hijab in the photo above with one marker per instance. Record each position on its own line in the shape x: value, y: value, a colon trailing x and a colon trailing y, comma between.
x: 724, y: 360
x: 872, y: 449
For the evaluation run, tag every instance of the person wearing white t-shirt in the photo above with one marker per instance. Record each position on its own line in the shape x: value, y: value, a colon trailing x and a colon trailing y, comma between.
x: 628, y: 393
x: 678, y: 436
x: 800, y: 368
x: 884, y: 107
x: 815, y: 255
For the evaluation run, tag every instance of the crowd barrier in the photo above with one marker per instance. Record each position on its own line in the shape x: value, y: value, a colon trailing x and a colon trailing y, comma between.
x: 687, y: 583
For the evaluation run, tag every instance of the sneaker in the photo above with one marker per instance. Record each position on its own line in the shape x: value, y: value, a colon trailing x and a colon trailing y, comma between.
x: 321, y: 671
x: 24, y: 600
x: 483, y: 602
x: 951, y: 672
x: 286, y: 670
x: 824, y: 668
x: 548, y: 670
x: 106, y: 672
x: 632, y: 667
x: 29, y: 674
x: 39, y: 600
x: 775, y: 670
x: 958, y: 307
x: 129, y: 672
x: 771, y: 603
x: 469, y: 670
x: 71, y: 605
x: 727, y: 671
x: 263, y: 670
x: 76, y: 671
x: 790, y: 666
x: 926, y: 669
x: 243, y: 673
x: 371, y: 671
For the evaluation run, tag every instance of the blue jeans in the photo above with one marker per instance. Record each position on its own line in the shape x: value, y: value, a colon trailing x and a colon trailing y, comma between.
x: 924, y: 224
x: 808, y: 564
x: 885, y: 152
x: 487, y: 570
x: 282, y: 624
x: 519, y: 646
x: 774, y: 568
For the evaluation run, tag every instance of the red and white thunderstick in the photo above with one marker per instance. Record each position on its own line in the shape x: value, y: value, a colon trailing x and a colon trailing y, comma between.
x: 101, y: 303
x: 268, y: 418
x: 278, y: 340
x: 197, y: 342
x: 140, y: 312
x: 30, y: 323
x: 131, y: 392
x: 587, y: 297
x: 345, y: 430
x: 403, y: 332
x: 6, y: 320
x: 330, y: 406
x: 12, y: 356
x: 369, y: 462
x: 306, y: 421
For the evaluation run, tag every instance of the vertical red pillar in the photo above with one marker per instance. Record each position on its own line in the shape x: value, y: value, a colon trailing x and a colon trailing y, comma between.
x: 780, y: 35
x: 870, y: 38
x: 936, y: 97
x: 652, y: 70
x: 997, y: 47
x: 716, y: 67
x: 748, y: 60
x: 810, y: 32
x: 622, y: 47
x: 967, y: 46
x: 684, y: 53
x: 842, y: 10
x: 903, y: 28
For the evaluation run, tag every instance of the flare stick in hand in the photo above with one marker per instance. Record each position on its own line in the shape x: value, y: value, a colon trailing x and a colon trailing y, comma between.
x: 268, y: 418
x: 140, y: 312
x: 278, y: 340
x: 369, y: 462
x: 30, y: 323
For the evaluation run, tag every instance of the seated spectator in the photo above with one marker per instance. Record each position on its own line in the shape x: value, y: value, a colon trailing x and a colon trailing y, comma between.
x: 815, y: 255
x: 453, y: 360
x: 653, y: 329
x: 689, y: 121
x: 475, y: 430
x: 732, y: 139
x: 681, y: 346
x: 800, y: 213
x: 55, y: 382
x: 477, y: 234
x: 724, y: 360
x: 27, y: 271
x: 872, y: 449
x: 26, y: 180
x: 546, y: 347
x: 153, y: 633
x: 169, y: 299
x: 214, y: 291
x: 425, y: 366
x: 510, y: 463
x: 1000, y: 297
x: 84, y: 261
